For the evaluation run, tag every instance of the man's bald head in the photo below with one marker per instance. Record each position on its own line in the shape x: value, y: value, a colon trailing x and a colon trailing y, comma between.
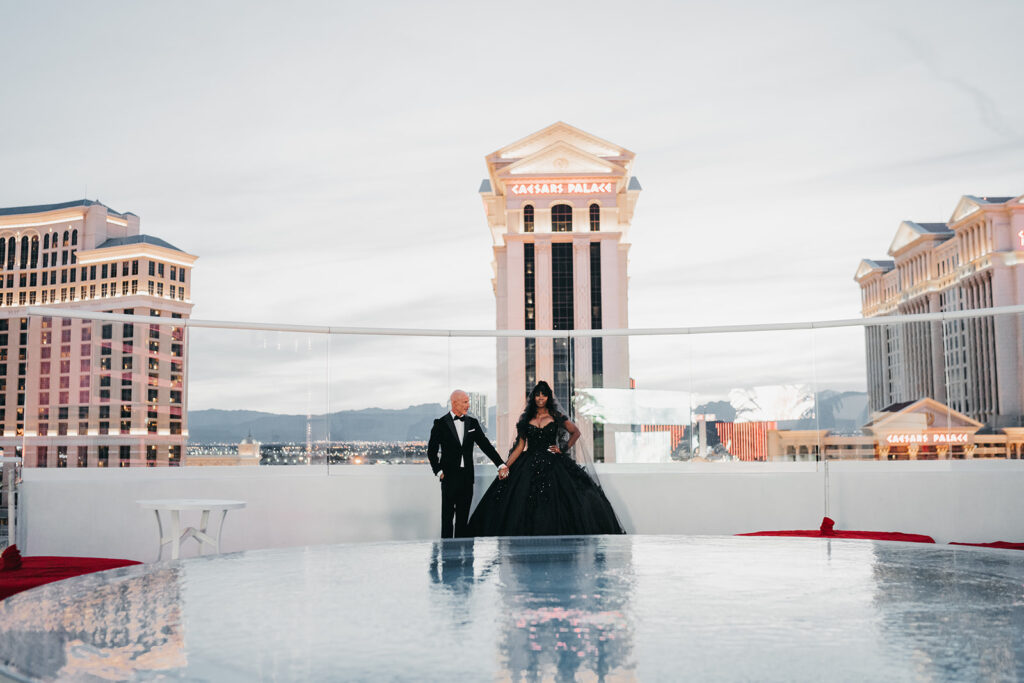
x: 460, y: 402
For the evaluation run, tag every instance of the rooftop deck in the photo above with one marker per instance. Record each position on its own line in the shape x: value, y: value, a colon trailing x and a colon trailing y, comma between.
x: 613, y: 608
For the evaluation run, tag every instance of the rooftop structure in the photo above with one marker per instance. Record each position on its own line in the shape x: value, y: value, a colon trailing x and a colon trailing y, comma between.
x: 974, y: 260
x: 559, y: 206
x: 74, y: 393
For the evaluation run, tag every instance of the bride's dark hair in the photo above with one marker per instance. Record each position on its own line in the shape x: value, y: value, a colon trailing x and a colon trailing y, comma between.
x: 531, y: 406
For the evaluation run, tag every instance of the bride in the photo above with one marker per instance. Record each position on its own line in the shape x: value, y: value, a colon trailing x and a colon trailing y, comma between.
x: 544, y: 492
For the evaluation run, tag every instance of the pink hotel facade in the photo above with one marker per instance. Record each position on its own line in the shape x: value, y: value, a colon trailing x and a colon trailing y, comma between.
x: 74, y: 393
x: 559, y: 205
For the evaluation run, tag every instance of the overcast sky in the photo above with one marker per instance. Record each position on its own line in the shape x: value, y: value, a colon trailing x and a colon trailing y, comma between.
x: 323, y: 158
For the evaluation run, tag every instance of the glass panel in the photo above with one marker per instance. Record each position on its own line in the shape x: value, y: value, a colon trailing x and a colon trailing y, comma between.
x: 842, y: 398
x: 472, y: 369
x: 634, y: 401
x: 257, y: 395
x: 385, y: 393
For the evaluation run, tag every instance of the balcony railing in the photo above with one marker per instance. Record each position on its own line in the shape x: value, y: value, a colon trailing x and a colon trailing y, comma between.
x: 313, y: 420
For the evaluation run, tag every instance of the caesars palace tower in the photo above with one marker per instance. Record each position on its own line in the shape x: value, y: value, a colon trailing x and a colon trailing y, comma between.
x: 559, y: 204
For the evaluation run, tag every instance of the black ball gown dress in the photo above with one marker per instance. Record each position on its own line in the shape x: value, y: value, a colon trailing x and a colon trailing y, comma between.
x: 544, y: 494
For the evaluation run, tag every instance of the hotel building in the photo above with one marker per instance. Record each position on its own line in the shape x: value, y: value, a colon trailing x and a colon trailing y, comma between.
x: 559, y: 205
x: 77, y: 393
x: 914, y: 430
x: 974, y: 366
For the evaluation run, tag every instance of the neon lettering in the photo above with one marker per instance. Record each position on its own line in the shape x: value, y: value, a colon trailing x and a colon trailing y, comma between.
x: 578, y: 186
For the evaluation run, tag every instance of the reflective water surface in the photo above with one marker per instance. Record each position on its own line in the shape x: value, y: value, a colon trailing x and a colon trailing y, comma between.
x: 563, y: 608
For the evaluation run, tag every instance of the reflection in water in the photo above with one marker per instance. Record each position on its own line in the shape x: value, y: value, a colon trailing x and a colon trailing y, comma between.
x: 127, y: 625
x: 953, y: 622
x: 452, y: 575
x: 564, y: 606
x: 566, y: 609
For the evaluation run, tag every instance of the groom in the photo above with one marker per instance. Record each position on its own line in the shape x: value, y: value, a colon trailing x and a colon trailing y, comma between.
x: 455, y: 433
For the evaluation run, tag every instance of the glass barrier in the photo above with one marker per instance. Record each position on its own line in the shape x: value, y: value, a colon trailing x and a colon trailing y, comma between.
x: 843, y: 402
x: 385, y: 393
x: 257, y: 397
x: 114, y: 393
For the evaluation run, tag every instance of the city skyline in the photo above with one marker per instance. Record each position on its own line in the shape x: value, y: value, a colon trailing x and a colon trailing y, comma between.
x: 323, y: 161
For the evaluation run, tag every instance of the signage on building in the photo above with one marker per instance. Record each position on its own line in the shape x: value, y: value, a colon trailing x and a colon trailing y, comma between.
x: 928, y: 438
x: 566, y: 186
x: 1020, y: 236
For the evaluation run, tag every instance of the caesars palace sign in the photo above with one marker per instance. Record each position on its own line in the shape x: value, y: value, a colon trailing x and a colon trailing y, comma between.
x: 570, y: 186
x: 928, y: 438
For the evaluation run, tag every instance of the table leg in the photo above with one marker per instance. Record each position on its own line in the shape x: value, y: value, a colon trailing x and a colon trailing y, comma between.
x: 175, y: 534
x: 220, y: 531
x: 203, y: 523
x: 160, y: 532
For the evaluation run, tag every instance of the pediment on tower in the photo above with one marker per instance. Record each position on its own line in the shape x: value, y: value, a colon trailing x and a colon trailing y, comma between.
x: 923, y: 414
x: 910, y: 233
x: 561, y: 158
x: 868, y: 266
x: 559, y: 132
x: 964, y: 208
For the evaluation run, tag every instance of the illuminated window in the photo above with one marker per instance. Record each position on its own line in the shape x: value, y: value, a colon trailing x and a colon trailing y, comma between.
x: 561, y: 218
x: 527, y: 218
x: 595, y: 218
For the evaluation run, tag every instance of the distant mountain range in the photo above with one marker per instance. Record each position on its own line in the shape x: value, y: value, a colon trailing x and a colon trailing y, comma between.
x: 843, y: 412
x: 371, y: 424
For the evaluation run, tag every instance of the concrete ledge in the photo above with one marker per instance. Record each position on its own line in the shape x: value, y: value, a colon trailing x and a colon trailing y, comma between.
x: 88, y: 512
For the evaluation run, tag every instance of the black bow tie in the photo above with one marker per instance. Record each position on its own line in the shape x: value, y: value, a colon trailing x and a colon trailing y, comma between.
x: 461, y: 418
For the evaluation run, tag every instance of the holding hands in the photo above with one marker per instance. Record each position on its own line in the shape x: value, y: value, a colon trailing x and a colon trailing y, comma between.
x: 502, y: 471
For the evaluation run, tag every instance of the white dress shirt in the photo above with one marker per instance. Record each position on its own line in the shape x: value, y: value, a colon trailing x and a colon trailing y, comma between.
x: 460, y: 427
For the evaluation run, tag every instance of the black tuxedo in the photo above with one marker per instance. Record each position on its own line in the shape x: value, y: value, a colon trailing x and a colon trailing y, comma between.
x: 456, y: 462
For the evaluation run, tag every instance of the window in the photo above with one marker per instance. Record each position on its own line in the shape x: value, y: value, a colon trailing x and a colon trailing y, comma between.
x: 102, y: 455
x: 561, y: 218
x: 152, y: 268
x: 595, y: 218
x: 527, y: 218
x: 126, y: 394
x: 160, y: 269
x: 125, y: 456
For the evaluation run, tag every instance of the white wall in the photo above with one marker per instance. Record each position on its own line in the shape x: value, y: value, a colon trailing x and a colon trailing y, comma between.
x: 88, y: 512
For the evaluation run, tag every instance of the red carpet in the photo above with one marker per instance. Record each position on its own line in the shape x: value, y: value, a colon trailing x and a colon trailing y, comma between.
x: 996, y: 544
x: 35, y: 571
x: 827, y: 530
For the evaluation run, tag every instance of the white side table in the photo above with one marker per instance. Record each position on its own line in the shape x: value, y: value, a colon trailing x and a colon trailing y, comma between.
x: 177, y: 535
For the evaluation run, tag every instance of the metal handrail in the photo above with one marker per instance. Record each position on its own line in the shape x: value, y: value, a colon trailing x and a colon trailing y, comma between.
x: 416, y: 332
